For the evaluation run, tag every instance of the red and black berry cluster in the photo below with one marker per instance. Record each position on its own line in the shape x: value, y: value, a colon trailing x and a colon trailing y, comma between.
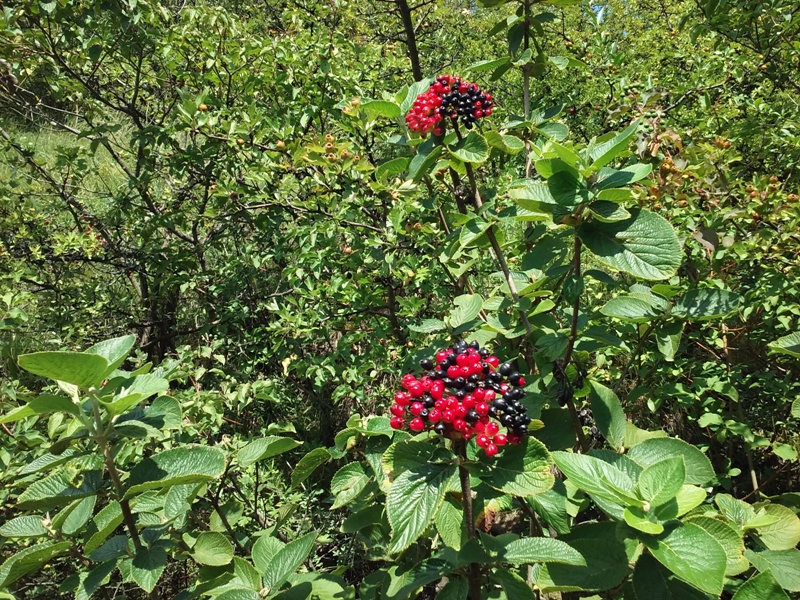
x: 465, y: 393
x: 448, y: 98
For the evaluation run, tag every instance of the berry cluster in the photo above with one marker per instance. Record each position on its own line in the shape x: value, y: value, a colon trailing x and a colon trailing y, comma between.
x: 449, y: 97
x: 465, y: 393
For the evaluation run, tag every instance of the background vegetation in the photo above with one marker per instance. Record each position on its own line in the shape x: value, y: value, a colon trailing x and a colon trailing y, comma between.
x: 234, y: 185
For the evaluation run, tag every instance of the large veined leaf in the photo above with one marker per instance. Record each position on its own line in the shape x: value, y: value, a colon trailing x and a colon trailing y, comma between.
x: 424, y: 160
x: 60, y: 487
x: 177, y: 466
x: 607, y: 563
x: 308, y: 464
x: 148, y: 564
x: 608, y: 414
x: 382, y: 108
x: 286, y: 560
x: 598, y: 478
x: 661, y: 481
x: 606, y: 151
x: 84, y: 370
x: 467, y: 308
x: 692, y: 554
x: 644, y: 245
x: 348, y: 483
x: 472, y: 149
x: 264, y: 448
x: 698, y: 467
x: 114, y: 351
x: 652, y: 581
x: 513, y: 585
x: 392, y: 167
x: 784, y: 565
x: 25, y: 526
x: 783, y: 534
x: 530, y: 550
x: 730, y: 540
x: 627, y: 308
x: 611, y: 178
x: 213, y: 549
x: 788, y: 344
x: 413, y: 500
x: 763, y: 586
x: 29, y: 560
x: 524, y: 470
x: 407, y: 579
x: 102, y: 525
x: 704, y: 304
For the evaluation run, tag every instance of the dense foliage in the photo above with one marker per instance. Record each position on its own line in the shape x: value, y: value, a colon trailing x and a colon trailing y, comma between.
x: 226, y: 232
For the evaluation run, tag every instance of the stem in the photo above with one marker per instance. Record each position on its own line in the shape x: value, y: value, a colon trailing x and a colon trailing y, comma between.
x: 573, y: 336
x: 475, y: 583
x: 411, y: 38
x: 497, y: 251
x: 526, y: 89
x: 101, y: 440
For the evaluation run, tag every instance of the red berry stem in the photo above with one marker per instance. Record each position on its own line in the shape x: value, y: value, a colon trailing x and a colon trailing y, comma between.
x: 475, y: 583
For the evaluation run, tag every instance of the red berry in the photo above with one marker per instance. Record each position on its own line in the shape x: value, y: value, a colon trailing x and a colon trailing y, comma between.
x: 437, y: 389
x: 513, y: 438
x: 452, y: 402
x: 493, y: 361
x: 440, y: 404
x: 397, y: 423
x: 448, y: 416
x: 482, y: 440
x: 479, y: 394
x: 416, y: 408
x: 491, y: 450
x: 461, y: 411
x: 402, y: 398
x: 462, y: 360
x: 416, y: 390
x: 468, y: 402
x: 460, y: 425
x: 479, y: 427
x: 397, y: 410
x: 482, y: 409
x: 434, y: 415
x: 416, y: 425
x: 521, y: 382
x: 500, y: 439
x: 489, y: 396
x: 492, y: 428
x: 453, y: 372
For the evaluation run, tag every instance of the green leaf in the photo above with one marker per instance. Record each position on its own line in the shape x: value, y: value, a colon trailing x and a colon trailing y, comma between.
x: 661, y: 481
x: 348, y: 483
x: 213, y: 549
x: 79, y: 516
x: 488, y: 65
x: 608, y: 212
x: 472, y: 231
x: 308, y: 464
x: 114, y: 351
x: 264, y: 550
x: 605, y: 557
x: 93, y: 580
x: 644, y: 245
x: 472, y: 149
x: 102, y: 525
x: 408, y: 579
x: 630, y: 309
x: 597, y: 478
x: 604, y: 153
x: 264, y: 448
x: 608, y: 414
x: 428, y: 326
x: 668, y: 339
x: 404, y: 455
x: 468, y: 306
x: 25, y: 526
x: 29, y: 560
x: 788, y: 344
x: 763, y: 586
x: 382, y: 108
x: 424, y: 160
x: 530, y: 550
x: 698, y: 467
x: 639, y: 520
x: 652, y: 582
x: 61, y: 487
x: 239, y: 594
x: 172, y: 467
x: 567, y: 190
x: 84, y: 370
x: 391, y: 168
x: 612, y: 178
x: 247, y: 574
x: 148, y: 565
x: 507, y: 143
x: 614, y: 196
x: 524, y: 470
x: 547, y: 167
x: 730, y: 540
x: 286, y: 560
x: 692, y: 554
x: 562, y: 62
x: 784, y: 565
x: 704, y: 304
x: 141, y: 388
x: 412, y: 502
x: 783, y: 534
x: 513, y: 585
x: 456, y: 589
x: 449, y: 522
x: 417, y: 88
